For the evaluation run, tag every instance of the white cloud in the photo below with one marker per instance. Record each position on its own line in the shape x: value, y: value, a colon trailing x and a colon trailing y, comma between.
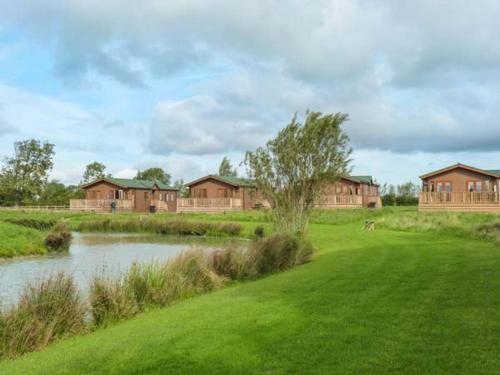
x: 329, y: 39
x: 125, y: 173
x: 415, y: 77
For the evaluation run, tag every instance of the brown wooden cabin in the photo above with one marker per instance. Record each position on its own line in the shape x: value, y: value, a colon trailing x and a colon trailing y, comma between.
x: 460, y: 188
x: 220, y: 193
x: 351, y: 192
x: 126, y: 194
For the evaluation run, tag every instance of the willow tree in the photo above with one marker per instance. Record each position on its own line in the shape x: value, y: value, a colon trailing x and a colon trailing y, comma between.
x: 293, y: 169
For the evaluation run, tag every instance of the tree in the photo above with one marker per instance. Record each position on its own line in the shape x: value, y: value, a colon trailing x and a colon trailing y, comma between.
x: 57, y: 194
x: 24, y: 175
x: 400, y: 195
x: 94, y: 171
x: 226, y: 169
x: 154, y: 174
x: 294, y: 168
x: 183, y: 191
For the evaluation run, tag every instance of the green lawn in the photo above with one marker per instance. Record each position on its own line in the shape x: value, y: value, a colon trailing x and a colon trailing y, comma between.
x: 370, y: 302
x: 16, y: 240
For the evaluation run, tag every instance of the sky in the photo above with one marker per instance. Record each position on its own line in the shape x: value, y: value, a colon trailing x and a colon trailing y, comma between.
x: 181, y: 83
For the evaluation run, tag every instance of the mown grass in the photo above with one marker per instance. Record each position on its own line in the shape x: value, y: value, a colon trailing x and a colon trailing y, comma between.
x: 370, y: 302
x: 17, y: 240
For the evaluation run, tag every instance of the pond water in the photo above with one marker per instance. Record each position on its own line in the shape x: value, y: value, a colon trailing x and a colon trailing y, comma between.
x: 91, y: 254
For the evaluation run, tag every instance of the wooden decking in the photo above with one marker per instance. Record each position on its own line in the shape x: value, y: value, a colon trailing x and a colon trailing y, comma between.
x: 340, y: 201
x: 459, y: 201
x: 209, y: 205
x: 100, y: 205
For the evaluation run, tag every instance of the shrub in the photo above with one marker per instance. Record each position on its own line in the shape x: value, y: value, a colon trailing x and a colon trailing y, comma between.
x: 259, y: 231
x: 59, y: 239
x: 45, y: 312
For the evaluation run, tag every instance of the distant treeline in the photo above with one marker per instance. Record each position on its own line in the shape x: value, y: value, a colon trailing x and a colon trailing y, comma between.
x: 400, y: 195
x: 24, y: 177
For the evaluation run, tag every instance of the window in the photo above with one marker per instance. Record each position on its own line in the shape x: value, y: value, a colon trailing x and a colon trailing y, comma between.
x: 479, y: 186
x: 200, y: 193
x: 470, y: 186
x: 447, y: 187
x: 487, y: 186
x: 440, y: 187
x: 432, y: 187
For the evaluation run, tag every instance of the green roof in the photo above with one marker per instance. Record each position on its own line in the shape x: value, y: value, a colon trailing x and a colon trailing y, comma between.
x: 494, y: 171
x: 235, y: 181
x: 362, y: 179
x: 130, y: 183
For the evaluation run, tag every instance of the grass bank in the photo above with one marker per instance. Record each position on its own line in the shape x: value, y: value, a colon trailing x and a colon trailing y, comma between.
x: 16, y: 240
x: 370, y: 302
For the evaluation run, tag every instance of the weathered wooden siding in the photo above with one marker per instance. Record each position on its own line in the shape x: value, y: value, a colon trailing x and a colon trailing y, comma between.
x: 213, y: 189
x: 337, y: 195
x: 459, y: 179
x: 105, y: 190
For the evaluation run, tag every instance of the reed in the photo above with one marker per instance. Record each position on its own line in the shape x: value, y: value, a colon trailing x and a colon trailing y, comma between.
x: 175, y: 227
x: 46, y: 311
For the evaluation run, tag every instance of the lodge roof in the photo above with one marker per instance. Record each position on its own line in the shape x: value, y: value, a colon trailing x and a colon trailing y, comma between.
x: 492, y: 173
x: 129, y: 183
x: 234, y: 181
x: 361, y: 179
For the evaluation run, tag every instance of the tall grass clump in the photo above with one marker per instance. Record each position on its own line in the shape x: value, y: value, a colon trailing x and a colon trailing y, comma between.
x: 45, y: 312
x: 279, y: 252
x: 272, y: 254
x: 59, y: 238
x: 175, y: 227
x: 152, y: 285
x: 39, y: 224
x: 109, y: 301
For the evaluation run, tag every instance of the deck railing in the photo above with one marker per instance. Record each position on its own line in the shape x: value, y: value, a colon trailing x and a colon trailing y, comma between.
x: 161, y: 206
x: 100, y: 204
x: 459, y: 198
x: 340, y: 201
x: 208, y: 204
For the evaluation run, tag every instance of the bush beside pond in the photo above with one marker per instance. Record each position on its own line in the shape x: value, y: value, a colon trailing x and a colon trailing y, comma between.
x: 59, y: 239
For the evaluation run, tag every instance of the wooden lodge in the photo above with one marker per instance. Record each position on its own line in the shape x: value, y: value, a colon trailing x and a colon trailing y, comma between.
x: 351, y: 192
x: 120, y: 194
x: 214, y: 193
x: 211, y: 194
x: 460, y: 188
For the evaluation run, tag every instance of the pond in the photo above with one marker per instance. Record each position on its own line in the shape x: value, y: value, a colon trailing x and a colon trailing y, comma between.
x: 91, y: 254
